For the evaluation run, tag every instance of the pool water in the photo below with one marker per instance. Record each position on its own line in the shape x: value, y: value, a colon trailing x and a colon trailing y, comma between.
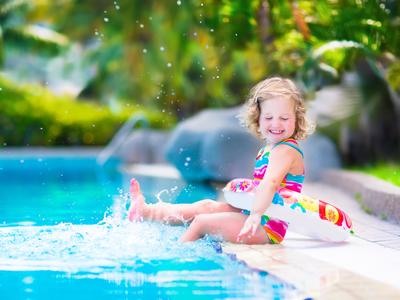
x: 64, y: 235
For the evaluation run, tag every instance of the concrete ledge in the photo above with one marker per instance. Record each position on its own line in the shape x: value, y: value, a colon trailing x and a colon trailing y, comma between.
x: 7, y: 152
x: 375, y: 196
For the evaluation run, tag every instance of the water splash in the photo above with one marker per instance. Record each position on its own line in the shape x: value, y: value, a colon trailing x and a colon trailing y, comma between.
x: 169, y: 192
x: 92, y: 248
x: 128, y: 255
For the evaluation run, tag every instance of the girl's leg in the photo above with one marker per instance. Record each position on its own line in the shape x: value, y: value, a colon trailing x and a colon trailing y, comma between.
x: 171, y: 213
x: 224, y: 224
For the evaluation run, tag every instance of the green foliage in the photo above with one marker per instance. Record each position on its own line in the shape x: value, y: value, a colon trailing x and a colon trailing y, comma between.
x: 393, y: 76
x: 183, y: 56
x: 15, y: 31
x: 31, y: 115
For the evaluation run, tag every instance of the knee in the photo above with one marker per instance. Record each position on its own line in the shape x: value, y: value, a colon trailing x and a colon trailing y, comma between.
x: 209, y: 205
x: 199, y: 222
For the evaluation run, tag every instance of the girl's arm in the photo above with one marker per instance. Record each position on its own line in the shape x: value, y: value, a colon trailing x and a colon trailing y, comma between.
x: 281, y: 160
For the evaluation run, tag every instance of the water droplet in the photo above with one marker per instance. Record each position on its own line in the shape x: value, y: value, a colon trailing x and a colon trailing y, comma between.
x: 188, y: 158
x: 21, y: 161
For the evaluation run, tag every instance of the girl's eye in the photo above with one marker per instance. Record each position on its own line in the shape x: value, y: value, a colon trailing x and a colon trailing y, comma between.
x: 268, y: 118
x: 284, y: 119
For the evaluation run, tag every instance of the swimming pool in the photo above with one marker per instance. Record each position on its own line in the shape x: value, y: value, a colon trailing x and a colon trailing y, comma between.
x: 64, y: 235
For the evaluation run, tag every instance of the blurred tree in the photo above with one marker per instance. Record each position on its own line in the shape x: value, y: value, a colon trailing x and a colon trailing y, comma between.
x: 15, y: 31
x: 181, y: 56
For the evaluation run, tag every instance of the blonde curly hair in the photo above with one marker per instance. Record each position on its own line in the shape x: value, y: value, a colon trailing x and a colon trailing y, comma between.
x: 271, y: 88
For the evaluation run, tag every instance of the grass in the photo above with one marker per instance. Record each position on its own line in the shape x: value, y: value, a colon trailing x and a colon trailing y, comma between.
x: 387, y: 171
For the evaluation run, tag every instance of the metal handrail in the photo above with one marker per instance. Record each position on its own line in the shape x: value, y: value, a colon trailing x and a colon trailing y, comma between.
x: 119, y: 137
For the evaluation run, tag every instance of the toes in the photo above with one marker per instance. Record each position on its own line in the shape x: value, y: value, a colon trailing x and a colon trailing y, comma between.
x: 134, y: 187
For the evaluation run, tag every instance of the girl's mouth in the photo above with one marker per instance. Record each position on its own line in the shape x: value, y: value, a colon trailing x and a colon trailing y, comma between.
x: 276, y: 131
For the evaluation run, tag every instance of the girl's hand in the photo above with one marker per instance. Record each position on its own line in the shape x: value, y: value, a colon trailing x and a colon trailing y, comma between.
x: 250, y: 226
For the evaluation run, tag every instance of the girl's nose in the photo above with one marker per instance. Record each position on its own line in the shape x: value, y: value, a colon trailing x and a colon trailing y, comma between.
x: 275, y: 122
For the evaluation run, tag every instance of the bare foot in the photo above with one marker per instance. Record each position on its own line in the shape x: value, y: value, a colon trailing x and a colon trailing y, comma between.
x: 137, y: 208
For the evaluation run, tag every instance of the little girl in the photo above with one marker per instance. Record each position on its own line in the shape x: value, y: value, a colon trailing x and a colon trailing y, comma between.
x: 274, y: 112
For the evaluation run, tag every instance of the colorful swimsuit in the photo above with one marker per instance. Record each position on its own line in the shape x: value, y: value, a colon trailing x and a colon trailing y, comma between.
x: 276, y: 229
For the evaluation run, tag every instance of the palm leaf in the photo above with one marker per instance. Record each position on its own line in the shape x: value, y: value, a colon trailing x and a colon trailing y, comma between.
x: 43, y: 34
x: 338, y: 45
x: 10, y: 6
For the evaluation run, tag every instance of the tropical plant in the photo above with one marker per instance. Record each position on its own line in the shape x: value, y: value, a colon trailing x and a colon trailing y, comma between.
x: 182, y: 56
x: 16, y: 32
x: 32, y: 116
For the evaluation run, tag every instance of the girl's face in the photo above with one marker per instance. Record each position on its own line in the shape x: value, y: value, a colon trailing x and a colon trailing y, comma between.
x: 277, y: 119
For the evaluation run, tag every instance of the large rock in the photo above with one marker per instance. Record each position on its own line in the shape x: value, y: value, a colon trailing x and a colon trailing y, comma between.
x: 212, y: 146
x: 320, y: 154
x: 144, y: 146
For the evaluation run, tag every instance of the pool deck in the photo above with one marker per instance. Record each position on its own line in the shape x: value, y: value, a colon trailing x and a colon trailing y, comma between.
x: 367, y: 266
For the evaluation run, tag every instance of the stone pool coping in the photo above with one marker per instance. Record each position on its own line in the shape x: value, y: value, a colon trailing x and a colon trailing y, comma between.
x: 375, y: 196
x: 303, y: 263
x: 322, y: 270
x: 46, y: 151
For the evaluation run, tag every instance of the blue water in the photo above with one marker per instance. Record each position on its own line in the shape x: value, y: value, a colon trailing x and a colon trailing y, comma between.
x: 64, y: 235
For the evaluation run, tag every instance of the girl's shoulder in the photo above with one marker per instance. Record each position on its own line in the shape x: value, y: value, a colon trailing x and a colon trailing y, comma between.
x: 291, y: 142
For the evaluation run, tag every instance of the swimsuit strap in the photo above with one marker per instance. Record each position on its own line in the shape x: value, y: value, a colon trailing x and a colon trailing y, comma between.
x: 292, y: 143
